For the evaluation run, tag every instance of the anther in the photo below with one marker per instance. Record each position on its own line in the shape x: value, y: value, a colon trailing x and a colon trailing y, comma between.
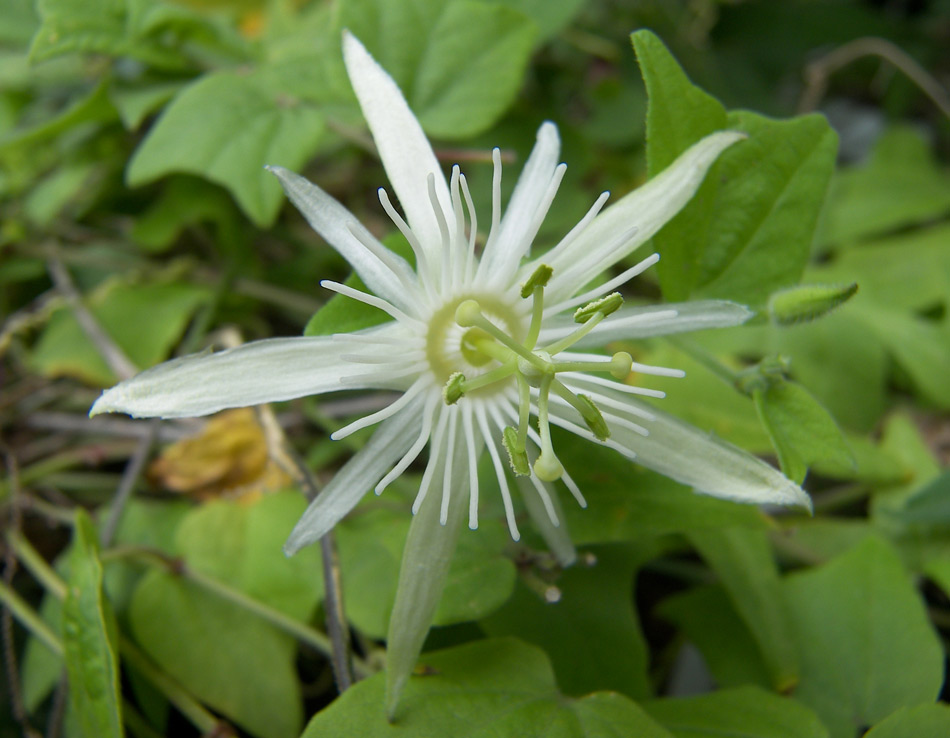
x: 453, y: 390
x: 606, y: 305
x: 516, y: 452
x: 593, y: 417
x: 539, y: 278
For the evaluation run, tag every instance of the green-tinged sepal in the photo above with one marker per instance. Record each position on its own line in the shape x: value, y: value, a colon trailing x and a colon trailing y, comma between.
x: 453, y: 391
x: 539, y: 278
x: 606, y: 305
x: 808, y: 302
x: 593, y: 417
x: 516, y: 452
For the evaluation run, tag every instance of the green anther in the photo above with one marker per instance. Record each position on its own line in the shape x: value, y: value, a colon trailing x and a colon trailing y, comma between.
x: 516, y: 453
x: 452, y: 391
x: 592, y: 416
x: 606, y: 305
x: 539, y: 278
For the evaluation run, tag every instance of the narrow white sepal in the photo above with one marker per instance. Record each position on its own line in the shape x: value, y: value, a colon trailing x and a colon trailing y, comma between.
x: 647, y: 208
x: 355, y: 479
x: 403, y: 147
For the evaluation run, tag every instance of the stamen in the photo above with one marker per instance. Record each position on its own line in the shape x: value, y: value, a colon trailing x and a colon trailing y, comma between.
x: 372, y: 300
x: 573, y: 337
x: 606, y: 305
x: 587, y: 409
x: 517, y: 457
x: 443, y: 231
x: 546, y: 466
x: 534, y: 288
x: 489, y: 377
x: 453, y: 391
x: 380, y: 415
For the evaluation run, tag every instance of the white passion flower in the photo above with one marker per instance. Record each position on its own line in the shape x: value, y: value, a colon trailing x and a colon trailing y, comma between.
x: 484, y: 347
x: 479, y: 342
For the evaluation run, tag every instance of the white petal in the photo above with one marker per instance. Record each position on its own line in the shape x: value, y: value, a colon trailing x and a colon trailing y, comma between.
x: 654, y: 320
x: 403, y: 147
x: 355, y: 479
x: 519, y: 225
x: 263, y: 371
x: 337, y: 226
x: 708, y: 464
x: 647, y: 209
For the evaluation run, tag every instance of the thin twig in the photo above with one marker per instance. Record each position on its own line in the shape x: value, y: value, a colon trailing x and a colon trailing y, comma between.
x: 114, y: 356
x: 17, y: 704
x: 285, y: 456
x: 107, y: 426
x: 818, y: 72
x: 130, y: 475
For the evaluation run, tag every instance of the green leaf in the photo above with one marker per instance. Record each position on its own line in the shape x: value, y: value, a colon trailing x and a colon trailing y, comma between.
x: 596, y: 601
x: 551, y: 16
x: 136, y: 102
x: 748, y: 711
x: 708, y: 619
x: 899, y: 185
x: 371, y: 541
x: 867, y: 647
x: 76, y: 25
x: 498, y: 687
x: 239, y: 543
x: 228, y: 657
x: 742, y: 558
x: 145, y: 320
x: 459, y: 63
x: 923, y: 721
x: 748, y: 230
x: 801, y: 430
x: 930, y: 506
x: 226, y: 127
x: 89, y: 636
x: 678, y: 115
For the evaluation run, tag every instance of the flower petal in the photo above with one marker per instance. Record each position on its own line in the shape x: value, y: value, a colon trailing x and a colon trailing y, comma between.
x: 646, y: 210
x: 337, y: 226
x: 693, y: 457
x: 521, y: 221
x: 424, y: 568
x: 262, y: 371
x: 653, y: 320
x: 403, y: 147
x: 359, y: 475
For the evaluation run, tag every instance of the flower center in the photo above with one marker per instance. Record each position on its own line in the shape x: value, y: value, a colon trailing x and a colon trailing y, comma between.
x: 450, y: 348
x: 484, y: 342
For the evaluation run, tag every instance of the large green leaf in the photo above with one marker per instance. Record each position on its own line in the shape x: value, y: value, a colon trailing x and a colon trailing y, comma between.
x: 748, y: 711
x: 748, y: 230
x: 459, y: 63
x: 899, y: 185
x: 495, y: 688
x: 229, y: 657
x: 801, y: 430
x: 145, y: 320
x: 592, y: 633
x: 866, y: 645
x: 923, y: 721
x: 742, y: 558
x: 89, y: 639
x: 226, y: 127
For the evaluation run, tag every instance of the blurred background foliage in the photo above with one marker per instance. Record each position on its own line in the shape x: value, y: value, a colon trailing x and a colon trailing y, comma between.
x: 132, y: 139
